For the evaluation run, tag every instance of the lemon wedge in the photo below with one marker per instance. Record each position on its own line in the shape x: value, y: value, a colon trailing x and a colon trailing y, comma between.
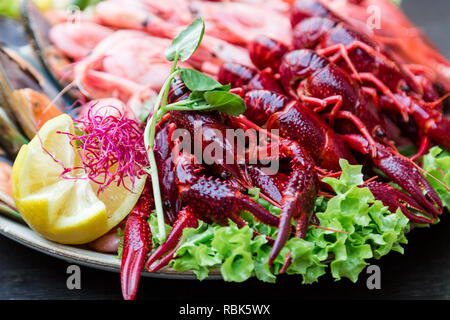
x: 65, y: 210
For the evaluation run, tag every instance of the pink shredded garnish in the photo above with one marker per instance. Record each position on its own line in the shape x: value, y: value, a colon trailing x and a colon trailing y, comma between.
x: 111, y: 147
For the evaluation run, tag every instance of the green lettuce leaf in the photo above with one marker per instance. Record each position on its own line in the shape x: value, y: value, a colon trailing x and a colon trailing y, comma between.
x: 121, y: 234
x: 9, y: 8
x: 196, y: 251
x: 83, y: 4
x: 304, y: 261
x: 156, y: 236
x: 261, y: 252
x: 437, y: 164
x: 366, y: 228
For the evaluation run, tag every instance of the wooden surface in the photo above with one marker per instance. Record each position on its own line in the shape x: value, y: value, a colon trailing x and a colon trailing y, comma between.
x: 423, y: 272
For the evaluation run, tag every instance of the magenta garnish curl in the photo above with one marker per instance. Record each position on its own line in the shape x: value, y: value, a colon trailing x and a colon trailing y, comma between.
x: 111, y: 147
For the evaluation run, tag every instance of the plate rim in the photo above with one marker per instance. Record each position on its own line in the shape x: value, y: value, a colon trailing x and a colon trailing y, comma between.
x: 24, y: 235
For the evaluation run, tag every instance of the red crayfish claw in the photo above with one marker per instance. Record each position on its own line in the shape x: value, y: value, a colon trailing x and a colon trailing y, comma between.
x: 186, y: 219
x: 209, y: 200
x: 137, y: 243
x: 298, y: 197
x: 395, y: 199
x: 299, y: 185
x: 402, y: 171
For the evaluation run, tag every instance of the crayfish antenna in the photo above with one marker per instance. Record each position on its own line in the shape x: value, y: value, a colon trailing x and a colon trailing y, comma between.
x: 186, y: 219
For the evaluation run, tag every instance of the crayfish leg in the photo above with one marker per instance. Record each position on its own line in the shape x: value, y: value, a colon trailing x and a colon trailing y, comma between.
x: 369, y: 77
x: 342, y: 52
x: 424, y: 146
x: 245, y: 203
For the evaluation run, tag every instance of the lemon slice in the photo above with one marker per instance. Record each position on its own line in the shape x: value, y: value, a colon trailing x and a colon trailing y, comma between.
x: 65, y: 210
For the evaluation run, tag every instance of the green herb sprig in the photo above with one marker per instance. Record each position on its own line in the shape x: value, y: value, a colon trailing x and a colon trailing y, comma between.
x: 207, y: 94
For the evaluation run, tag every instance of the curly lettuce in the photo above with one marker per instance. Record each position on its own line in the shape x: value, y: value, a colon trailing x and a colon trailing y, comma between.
x: 437, y: 164
x: 367, y: 228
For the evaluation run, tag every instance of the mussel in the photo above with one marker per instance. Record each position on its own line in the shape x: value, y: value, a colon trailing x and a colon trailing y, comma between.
x: 10, y: 137
x: 13, y: 33
x: 24, y: 101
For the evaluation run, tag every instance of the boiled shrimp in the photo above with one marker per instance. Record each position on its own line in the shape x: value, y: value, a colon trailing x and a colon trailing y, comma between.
x: 122, y: 64
x: 77, y: 40
x: 239, y: 22
x: 5, y: 178
x: 133, y: 14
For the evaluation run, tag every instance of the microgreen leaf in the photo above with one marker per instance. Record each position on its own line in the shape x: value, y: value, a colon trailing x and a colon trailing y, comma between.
x: 200, y: 94
x: 186, y: 42
x: 196, y: 95
x: 197, y: 81
x: 225, y: 102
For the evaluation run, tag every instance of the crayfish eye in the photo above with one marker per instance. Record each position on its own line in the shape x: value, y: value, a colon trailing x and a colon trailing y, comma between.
x: 379, y: 132
x: 406, y: 88
x: 225, y: 175
x: 146, y: 22
x: 167, y: 205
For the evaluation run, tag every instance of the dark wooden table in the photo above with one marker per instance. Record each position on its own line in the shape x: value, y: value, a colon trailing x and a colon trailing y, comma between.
x: 423, y: 272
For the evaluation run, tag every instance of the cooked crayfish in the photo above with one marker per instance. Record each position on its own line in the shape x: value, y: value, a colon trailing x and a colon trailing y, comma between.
x: 318, y: 82
x: 399, y: 92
